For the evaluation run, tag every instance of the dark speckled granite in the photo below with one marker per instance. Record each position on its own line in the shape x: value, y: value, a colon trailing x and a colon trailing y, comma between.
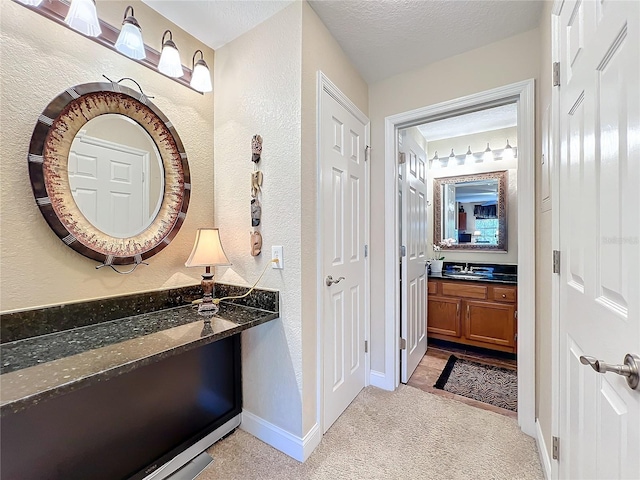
x: 47, y: 365
x: 494, y: 273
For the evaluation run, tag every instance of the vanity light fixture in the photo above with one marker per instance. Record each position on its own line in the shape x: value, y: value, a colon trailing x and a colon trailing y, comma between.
x: 507, y: 153
x: 469, y: 158
x: 82, y: 16
x: 170, y: 57
x: 452, y: 159
x: 201, y: 77
x: 207, y: 252
x: 488, y: 154
x: 31, y: 3
x: 435, y: 161
x: 129, y: 40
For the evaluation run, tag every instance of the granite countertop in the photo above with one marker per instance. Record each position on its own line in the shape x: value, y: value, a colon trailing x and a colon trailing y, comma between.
x: 48, y: 365
x: 504, y: 278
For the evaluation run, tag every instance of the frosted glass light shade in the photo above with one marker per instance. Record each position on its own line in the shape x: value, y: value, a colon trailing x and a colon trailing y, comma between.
x: 82, y: 16
x: 201, y: 77
x: 170, y: 61
x: 130, y: 42
x: 207, y: 249
x: 31, y: 3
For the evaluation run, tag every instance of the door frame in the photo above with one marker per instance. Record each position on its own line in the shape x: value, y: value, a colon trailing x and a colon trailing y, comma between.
x: 524, y: 93
x: 324, y: 85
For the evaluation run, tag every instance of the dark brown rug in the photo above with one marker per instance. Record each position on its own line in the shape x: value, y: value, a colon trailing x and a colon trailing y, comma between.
x: 494, y: 385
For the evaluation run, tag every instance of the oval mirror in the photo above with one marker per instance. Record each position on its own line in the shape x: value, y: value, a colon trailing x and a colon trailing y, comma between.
x: 109, y: 173
x: 116, y: 175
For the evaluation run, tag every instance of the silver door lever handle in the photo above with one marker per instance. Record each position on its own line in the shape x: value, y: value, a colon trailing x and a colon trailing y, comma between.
x: 330, y: 281
x: 628, y: 370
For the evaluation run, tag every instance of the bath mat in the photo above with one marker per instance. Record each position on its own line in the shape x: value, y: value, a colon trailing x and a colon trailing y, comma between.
x: 485, y: 383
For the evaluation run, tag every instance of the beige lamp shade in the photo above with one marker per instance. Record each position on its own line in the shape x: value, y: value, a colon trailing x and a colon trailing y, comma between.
x: 207, y: 250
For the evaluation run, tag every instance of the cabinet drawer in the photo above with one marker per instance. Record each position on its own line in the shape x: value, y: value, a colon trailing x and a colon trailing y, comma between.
x: 464, y: 290
x: 503, y: 294
x: 432, y: 288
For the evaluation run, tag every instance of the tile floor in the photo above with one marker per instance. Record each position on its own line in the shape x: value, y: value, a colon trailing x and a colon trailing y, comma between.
x: 432, y: 364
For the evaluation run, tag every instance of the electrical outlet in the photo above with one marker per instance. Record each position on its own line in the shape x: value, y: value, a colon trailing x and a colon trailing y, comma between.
x: 276, y: 252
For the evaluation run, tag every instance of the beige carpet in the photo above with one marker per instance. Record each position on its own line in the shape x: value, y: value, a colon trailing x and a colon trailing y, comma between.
x: 387, y: 435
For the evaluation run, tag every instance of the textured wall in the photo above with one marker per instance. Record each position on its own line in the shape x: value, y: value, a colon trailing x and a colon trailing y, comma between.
x: 257, y: 91
x: 501, y: 63
x: 544, y: 272
x: 320, y: 51
x: 40, y: 59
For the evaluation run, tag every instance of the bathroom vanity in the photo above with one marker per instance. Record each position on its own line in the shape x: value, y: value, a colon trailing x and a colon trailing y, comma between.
x: 121, y: 398
x: 474, y: 310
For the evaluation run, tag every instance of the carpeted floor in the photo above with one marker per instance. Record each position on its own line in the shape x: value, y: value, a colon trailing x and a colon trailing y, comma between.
x: 392, y: 435
x: 486, y: 383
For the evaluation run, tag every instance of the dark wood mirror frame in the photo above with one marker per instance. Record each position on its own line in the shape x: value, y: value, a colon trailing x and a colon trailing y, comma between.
x: 501, y: 176
x: 51, y: 141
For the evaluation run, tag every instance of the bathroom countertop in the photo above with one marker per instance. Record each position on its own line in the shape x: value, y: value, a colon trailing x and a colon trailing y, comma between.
x: 507, y: 279
x: 41, y: 367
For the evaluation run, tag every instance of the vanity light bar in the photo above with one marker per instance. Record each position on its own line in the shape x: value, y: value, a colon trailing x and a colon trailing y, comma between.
x: 477, y: 157
x: 57, y: 10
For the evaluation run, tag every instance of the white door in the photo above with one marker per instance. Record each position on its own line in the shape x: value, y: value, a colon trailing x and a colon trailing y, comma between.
x: 599, y: 422
x: 111, y: 176
x: 343, y: 197
x: 414, y: 238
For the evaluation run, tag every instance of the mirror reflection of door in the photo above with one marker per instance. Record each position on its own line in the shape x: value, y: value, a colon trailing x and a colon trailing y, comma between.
x: 116, y: 175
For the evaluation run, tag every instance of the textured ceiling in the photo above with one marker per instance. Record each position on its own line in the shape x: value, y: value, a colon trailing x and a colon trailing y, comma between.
x: 486, y: 120
x: 387, y: 37
x: 216, y: 22
x: 381, y: 37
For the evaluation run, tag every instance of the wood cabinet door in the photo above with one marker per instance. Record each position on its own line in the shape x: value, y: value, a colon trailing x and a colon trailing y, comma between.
x: 444, y: 316
x: 490, y: 323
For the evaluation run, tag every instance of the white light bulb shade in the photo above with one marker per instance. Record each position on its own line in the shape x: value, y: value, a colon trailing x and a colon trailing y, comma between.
x: 207, y: 249
x: 201, y: 78
x: 488, y: 154
x: 170, y: 62
x: 130, y: 42
x: 82, y: 16
x: 31, y: 3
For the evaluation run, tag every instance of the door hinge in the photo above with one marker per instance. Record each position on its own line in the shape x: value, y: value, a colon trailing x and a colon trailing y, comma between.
x: 515, y: 314
x: 367, y: 153
x: 366, y: 251
x: 556, y: 448
x: 403, y: 251
x: 515, y: 338
x: 402, y: 158
x: 556, y: 261
x: 556, y: 74
x: 403, y: 344
x: 366, y: 346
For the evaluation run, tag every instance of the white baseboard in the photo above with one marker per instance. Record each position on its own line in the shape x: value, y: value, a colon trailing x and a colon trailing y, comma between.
x: 292, y: 445
x: 380, y: 380
x: 543, y: 452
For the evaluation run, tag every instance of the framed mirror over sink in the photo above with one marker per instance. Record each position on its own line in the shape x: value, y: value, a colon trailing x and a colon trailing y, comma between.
x: 109, y: 173
x: 471, y: 209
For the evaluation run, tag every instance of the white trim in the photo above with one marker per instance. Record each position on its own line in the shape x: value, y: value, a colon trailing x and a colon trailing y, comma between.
x: 543, y: 453
x: 294, y: 446
x: 324, y: 85
x: 377, y: 379
x: 524, y: 92
x: 554, y: 150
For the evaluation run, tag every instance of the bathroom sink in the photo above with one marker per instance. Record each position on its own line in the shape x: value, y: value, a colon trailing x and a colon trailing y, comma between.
x: 467, y: 276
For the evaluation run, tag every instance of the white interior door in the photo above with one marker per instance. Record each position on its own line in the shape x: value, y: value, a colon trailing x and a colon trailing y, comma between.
x: 414, y: 272
x: 343, y: 197
x: 110, y: 176
x: 599, y: 422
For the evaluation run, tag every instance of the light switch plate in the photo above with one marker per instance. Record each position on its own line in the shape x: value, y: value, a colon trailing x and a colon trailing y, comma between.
x: 276, y: 252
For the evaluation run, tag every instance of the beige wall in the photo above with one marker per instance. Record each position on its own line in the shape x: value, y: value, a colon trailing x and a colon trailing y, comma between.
x: 257, y: 91
x: 320, y: 51
x: 40, y: 59
x: 508, y: 61
x: 543, y: 246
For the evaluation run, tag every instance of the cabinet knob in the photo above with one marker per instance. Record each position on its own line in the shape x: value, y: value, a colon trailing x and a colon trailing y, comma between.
x: 504, y: 295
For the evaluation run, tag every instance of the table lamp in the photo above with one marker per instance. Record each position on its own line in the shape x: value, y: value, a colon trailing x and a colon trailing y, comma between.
x: 207, y: 252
